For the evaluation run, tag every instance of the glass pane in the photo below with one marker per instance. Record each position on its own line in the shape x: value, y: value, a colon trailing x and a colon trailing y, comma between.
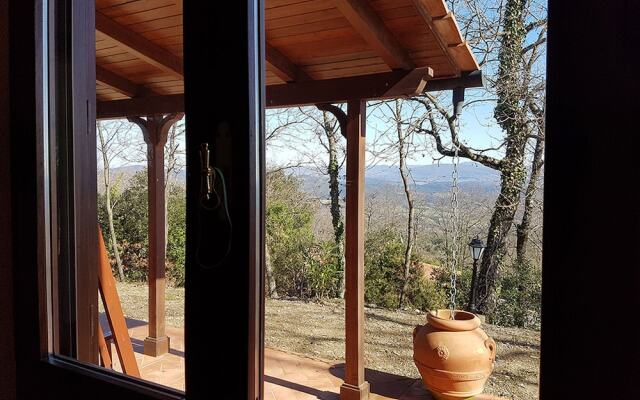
x: 121, y: 207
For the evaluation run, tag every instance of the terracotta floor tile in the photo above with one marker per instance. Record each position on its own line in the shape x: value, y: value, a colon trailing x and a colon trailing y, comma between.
x: 287, y: 376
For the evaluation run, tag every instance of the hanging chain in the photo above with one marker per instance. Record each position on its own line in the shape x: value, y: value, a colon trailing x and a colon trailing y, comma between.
x: 455, y: 217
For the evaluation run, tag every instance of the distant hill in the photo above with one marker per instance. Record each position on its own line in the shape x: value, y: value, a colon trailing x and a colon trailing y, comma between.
x: 125, y: 173
x: 429, y: 179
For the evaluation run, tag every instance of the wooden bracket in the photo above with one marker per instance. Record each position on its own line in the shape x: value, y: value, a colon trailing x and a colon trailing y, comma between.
x: 412, y: 84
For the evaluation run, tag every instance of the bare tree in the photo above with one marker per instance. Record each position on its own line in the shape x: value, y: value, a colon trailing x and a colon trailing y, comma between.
x: 327, y: 132
x: 174, y: 161
x: 397, y: 143
x: 523, y: 229
x: 280, y: 124
x: 508, y: 40
x: 174, y: 152
x: 113, y: 139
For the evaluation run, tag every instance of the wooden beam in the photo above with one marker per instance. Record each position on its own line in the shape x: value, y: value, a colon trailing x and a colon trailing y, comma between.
x: 466, y: 80
x: 338, y: 90
x: 140, y: 106
x: 140, y: 46
x: 117, y: 82
x: 280, y: 65
x: 373, y: 30
x: 355, y: 387
x: 341, y: 90
x: 426, y: 8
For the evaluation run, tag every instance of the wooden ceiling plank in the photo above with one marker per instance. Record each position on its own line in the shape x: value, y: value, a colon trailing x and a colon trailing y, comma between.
x: 425, y: 9
x: 448, y: 29
x: 373, y: 30
x: 140, y: 46
x: 280, y: 65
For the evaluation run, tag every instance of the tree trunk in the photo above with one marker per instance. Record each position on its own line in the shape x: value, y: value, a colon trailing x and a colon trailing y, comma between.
x: 501, y: 222
x: 524, y: 227
x: 511, y: 116
x: 272, y: 290
x: 404, y: 174
x: 107, y: 191
x: 114, y: 241
x: 333, y: 170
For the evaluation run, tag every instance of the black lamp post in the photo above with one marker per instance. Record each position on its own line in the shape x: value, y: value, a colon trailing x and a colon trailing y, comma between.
x: 476, y: 247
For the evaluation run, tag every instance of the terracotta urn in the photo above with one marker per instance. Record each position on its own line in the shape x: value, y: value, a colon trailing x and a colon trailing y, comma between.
x: 454, y: 356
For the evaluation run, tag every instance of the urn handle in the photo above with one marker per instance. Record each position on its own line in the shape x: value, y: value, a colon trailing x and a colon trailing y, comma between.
x: 491, y: 345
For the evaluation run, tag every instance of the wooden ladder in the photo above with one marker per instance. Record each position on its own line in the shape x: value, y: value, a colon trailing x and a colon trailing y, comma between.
x: 115, y: 317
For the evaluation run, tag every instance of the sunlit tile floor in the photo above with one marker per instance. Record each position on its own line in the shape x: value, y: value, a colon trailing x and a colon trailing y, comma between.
x: 287, y: 376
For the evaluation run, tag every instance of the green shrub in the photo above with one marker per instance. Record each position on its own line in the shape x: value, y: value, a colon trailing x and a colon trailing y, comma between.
x: 296, y: 259
x: 519, y: 297
x: 384, y: 275
x: 383, y: 268
x: 176, y: 237
x: 424, y: 293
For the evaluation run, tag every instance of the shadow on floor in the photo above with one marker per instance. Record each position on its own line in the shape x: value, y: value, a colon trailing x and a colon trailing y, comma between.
x: 320, y: 394
x: 382, y: 383
x: 131, y: 323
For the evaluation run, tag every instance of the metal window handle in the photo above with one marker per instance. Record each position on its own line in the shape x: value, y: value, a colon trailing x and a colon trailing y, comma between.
x: 206, y: 186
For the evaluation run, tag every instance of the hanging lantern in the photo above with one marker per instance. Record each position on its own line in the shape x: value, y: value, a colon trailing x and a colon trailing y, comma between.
x: 477, y: 248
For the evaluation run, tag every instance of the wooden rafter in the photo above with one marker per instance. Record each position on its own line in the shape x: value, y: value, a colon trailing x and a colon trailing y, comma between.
x: 425, y: 9
x: 280, y: 65
x: 117, y: 82
x: 140, y: 46
x: 373, y: 30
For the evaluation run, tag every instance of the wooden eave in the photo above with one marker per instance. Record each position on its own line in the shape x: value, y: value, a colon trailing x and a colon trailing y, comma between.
x: 310, y: 44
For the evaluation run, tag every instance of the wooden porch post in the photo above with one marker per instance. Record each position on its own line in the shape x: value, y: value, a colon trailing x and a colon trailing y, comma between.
x: 355, y: 387
x: 155, y: 130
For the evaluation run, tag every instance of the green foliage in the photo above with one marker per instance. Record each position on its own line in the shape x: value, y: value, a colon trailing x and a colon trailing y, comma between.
x: 302, y: 266
x: 519, y: 297
x: 383, y: 267
x: 424, y: 293
x: 442, y: 276
x: 130, y: 216
x: 176, y: 238
x: 384, y: 255
x: 130, y: 211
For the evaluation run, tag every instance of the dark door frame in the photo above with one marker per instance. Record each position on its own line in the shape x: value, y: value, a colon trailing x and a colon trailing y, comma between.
x: 38, y: 373
x: 224, y: 82
x: 591, y: 256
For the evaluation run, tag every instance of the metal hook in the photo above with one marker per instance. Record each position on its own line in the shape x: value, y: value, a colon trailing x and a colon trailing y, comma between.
x: 206, y: 186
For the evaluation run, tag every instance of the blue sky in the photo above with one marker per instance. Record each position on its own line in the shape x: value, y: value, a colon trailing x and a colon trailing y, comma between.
x: 478, y: 130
